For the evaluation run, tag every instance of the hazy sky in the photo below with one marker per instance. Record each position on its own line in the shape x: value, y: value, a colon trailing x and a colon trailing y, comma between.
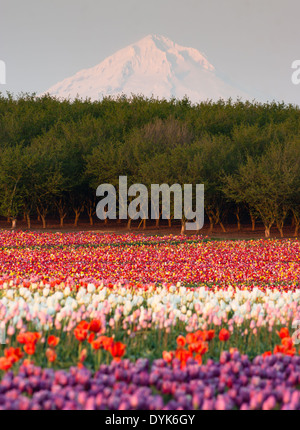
x: 251, y: 43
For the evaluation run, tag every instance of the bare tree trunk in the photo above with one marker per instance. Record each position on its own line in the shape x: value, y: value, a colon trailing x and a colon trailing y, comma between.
x: 295, y: 223
x: 182, y: 227
x: 237, y: 214
x: 42, y: 212
x: 90, y: 211
x: 267, y: 231
x: 28, y: 221
x: 44, y: 221
x: 222, y: 227
x: 62, y: 216
x: 105, y: 217
x: 157, y: 221
x: 170, y: 222
x: 77, y: 214
x: 215, y: 218
x: 14, y: 223
x: 280, y: 228
x: 129, y: 223
x: 77, y: 211
x: 252, y: 222
x: 211, y: 223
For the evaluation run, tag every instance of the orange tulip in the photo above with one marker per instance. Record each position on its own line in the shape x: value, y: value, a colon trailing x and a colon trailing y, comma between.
x: 5, y: 363
x: 29, y: 348
x: 287, y: 342
x: 168, y: 356
x: 28, y: 337
x: 107, y: 342
x: 91, y: 338
x: 181, y: 341
x: 183, y: 355
x: 209, y: 335
x: 198, y: 358
x: 80, y: 333
x: 284, y: 332
x: 95, y: 326
x: 53, y: 341
x: 51, y: 355
x: 15, y: 354
x: 224, y: 335
x: 191, y: 338
x: 117, y: 350
x: 83, y: 324
x: 98, y: 343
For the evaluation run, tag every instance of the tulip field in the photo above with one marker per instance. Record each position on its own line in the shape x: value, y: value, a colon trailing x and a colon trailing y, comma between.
x: 120, y: 322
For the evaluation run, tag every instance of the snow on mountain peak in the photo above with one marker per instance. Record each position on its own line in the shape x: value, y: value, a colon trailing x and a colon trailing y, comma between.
x: 153, y: 66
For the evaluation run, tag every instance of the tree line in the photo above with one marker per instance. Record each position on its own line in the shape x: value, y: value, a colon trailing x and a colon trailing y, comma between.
x: 54, y: 154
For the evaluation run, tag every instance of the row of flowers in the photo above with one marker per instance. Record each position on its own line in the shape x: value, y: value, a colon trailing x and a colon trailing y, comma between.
x: 80, y: 258
x: 26, y: 239
x: 148, y: 323
x: 194, y: 345
x: 138, y: 309
x: 232, y: 382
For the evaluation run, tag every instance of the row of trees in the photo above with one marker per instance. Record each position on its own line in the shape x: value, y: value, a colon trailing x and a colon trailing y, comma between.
x: 54, y: 154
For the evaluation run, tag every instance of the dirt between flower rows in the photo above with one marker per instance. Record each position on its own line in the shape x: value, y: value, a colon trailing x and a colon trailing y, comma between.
x: 232, y: 233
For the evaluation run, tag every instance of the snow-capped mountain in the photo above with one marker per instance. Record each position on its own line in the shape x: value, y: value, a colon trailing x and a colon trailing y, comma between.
x: 154, y: 66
